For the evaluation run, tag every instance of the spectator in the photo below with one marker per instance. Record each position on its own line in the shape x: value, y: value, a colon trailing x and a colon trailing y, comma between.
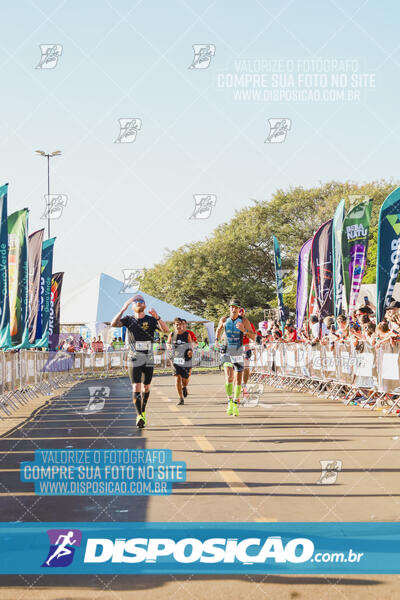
x: 93, y: 345
x: 291, y: 333
x: 343, y: 327
x: 70, y: 346
x: 100, y: 345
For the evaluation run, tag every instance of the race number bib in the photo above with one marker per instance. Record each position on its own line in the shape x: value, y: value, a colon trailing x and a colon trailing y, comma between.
x: 179, y: 361
x: 237, y: 359
x: 143, y: 346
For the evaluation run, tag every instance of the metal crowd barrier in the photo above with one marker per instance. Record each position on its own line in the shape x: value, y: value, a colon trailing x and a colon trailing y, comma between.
x: 364, y: 375
x: 27, y: 374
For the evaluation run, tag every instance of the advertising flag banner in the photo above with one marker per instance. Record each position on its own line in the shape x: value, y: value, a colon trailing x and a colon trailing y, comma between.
x: 42, y: 330
x: 5, y: 340
x: 322, y: 269
x: 354, y: 250
x: 388, y: 258
x: 337, y: 228
x: 303, y: 283
x: 279, y: 282
x: 54, y: 320
x: 18, y: 277
x: 35, y: 241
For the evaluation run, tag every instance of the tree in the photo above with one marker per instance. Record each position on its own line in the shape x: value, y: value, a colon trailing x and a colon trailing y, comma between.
x: 237, y: 259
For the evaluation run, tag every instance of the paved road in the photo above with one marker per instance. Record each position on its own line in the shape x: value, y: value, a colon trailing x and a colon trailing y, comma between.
x: 262, y: 466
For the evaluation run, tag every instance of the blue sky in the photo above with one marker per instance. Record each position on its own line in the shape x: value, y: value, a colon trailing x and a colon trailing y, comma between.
x: 127, y: 203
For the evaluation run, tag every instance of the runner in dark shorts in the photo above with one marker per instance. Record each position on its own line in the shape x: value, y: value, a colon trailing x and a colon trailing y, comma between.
x: 140, y: 333
x: 180, y: 345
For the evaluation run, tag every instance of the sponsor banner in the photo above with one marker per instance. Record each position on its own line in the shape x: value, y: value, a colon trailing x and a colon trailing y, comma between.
x: 303, y: 283
x: 355, y: 234
x: 42, y: 330
x: 5, y: 340
x: 388, y: 258
x: 337, y: 228
x: 279, y: 282
x: 322, y: 269
x: 18, y: 277
x: 54, y: 320
x: 199, y: 548
x: 35, y: 241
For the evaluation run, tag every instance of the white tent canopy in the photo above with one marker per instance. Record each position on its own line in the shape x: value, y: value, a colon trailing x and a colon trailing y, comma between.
x: 101, y: 298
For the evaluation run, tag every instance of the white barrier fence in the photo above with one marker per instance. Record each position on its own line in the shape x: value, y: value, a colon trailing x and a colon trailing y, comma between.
x: 26, y: 374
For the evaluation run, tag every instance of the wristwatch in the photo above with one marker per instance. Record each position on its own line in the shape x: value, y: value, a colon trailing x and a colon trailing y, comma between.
x: 159, y: 318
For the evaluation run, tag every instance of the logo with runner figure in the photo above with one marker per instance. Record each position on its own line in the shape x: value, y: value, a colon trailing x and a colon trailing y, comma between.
x: 54, y: 206
x: 63, y: 543
x: 128, y: 129
x: 203, y: 54
x: 131, y: 280
x: 252, y: 394
x: 97, y: 400
x: 329, y: 471
x: 203, y: 205
x: 278, y: 130
x: 50, y: 55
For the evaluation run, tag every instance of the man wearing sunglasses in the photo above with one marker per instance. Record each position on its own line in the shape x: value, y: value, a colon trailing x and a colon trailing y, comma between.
x: 140, y: 332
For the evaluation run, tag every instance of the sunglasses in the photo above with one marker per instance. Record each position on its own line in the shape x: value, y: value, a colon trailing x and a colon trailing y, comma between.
x: 139, y: 302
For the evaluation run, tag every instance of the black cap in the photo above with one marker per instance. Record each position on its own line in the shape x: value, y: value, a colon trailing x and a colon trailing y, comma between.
x: 393, y: 304
x: 235, y: 302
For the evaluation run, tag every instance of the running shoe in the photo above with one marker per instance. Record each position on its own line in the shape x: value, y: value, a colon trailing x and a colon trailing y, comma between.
x: 185, y: 392
x: 140, y: 422
x: 181, y: 401
x: 144, y: 419
x: 235, y: 410
x: 229, y: 410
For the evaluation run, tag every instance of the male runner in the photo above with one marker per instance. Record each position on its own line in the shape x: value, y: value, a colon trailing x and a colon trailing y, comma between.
x: 194, y: 342
x: 232, y: 358
x: 247, y: 353
x: 140, y: 333
x: 179, y: 341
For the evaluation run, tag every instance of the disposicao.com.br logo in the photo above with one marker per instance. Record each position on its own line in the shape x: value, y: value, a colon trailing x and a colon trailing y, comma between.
x: 247, y: 551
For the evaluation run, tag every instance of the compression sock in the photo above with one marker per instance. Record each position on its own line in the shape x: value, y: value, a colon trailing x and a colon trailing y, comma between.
x: 229, y: 390
x: 238, y: 389
x: 138, y: 402
x: 145, y: 397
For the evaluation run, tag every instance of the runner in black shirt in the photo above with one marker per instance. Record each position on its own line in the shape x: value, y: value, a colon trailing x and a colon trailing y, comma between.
x: 140, y: 333
x: 179, y: 342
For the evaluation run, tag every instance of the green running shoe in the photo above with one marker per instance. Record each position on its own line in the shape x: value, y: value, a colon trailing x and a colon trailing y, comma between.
x: 235, y: 410
x: 139, y: 422
x: 229, y: 410
x: 144, y: 419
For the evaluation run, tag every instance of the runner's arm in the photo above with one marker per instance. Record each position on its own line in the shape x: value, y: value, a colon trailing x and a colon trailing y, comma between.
x: 220, y: 328
x: 248, y: 330
x: 116, y: 322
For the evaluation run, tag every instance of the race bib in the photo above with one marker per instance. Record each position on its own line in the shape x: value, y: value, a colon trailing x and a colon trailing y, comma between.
x: 143, y: 345
x: 179, y: 361
x: 237, y: 359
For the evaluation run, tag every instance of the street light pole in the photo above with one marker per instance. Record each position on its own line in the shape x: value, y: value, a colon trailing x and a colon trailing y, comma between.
x: 48, y: 156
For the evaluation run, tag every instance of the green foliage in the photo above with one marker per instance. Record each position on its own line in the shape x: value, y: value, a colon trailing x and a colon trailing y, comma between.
x: 237, y: 259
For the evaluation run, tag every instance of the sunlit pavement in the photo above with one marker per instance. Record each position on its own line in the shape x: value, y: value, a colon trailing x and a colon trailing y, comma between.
x: 261, y: 466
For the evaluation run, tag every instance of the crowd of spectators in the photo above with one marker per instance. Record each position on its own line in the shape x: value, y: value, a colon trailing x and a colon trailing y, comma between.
x: 360, y: 328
